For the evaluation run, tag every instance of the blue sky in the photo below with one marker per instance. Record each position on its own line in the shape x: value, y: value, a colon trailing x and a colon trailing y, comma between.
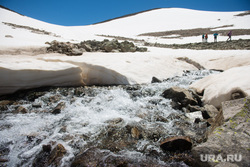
x: 84, y: 12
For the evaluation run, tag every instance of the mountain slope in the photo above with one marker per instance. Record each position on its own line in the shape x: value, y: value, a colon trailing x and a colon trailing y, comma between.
x: 29, y: 68
x: 130, y: 26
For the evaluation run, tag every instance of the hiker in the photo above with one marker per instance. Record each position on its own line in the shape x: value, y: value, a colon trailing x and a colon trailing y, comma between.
x: 215, y: 37
x: 229, y: 36
x: 203, y: 38
x: 206, y: 37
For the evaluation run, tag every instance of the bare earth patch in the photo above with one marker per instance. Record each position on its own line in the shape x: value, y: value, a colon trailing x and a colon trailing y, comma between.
x: 198, y: 32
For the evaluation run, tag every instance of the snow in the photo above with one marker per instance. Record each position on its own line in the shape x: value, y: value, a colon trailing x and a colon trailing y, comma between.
x: 28, y: 69
x: 131, y: 27
x: 28, y: 72
x: 219, y: 87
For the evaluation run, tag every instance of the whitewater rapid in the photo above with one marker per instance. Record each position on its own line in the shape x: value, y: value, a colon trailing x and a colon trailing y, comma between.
x: 86, y: 116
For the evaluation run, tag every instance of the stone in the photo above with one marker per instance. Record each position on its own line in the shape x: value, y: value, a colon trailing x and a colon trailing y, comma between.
x: 96, y: 157
x: 194, y: 115
x: 89, y: 157
x: 8, y: 36
x: 194, y: 108
x: 86, y: 47
x: 77, y: 52
x: 231, y: 138
x: 115, y: 121
x: 47, y: 148
x: 216, y: 121
x: 56, y: 155
x: 46, y: 157
x: 155, y: 80
x: 77, y: 49
x: 36, y: 105
x: 4, y: 104
x: 232, y: 107
x: 58, y: 108
x: 20, y: 110
x: 209, y: 111
x: 176, y: 143
x: 180, y: 95
x: 141, y: 49
x: 126, y: 46
x: 135, y: 133
x: 109, y: 46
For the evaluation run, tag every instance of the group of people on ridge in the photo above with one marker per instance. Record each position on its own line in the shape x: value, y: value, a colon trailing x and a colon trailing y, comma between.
x: 205, y: 37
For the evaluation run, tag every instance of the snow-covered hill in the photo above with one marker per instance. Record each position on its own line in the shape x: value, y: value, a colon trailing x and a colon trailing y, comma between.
x: 29, y: 67
x: 157, y: 20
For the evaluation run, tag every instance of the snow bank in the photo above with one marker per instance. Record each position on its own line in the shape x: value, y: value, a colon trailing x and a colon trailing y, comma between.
x: 219, y: 87
x: 32, y: 72
x: 23, y: 71
x: 28, y: 72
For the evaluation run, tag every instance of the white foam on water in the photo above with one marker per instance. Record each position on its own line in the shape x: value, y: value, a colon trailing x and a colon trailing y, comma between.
x: 88, y: 116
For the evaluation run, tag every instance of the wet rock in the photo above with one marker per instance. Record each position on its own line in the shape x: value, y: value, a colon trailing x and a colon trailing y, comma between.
x: 20, y: 110
x: 4, y: 151
x: 54, y: 99
x: 162, y: 119
x: 155, y: 80
x: 46, y: 157
x: 4, y: 104
x: 79, y: 91
x: 115, y: 121
x: 90, y: 157
x: 180, y: 96
x: 197, y: 120
x: 36, y: 105
x: 176, y: 143
x: 41, y: 159
x: 3, y: 160
x: 135, y: 133
x: 121, y: 161
x: 194, y: 115
x: 117, y: 139
x: 96, y: 157
x: 58, y: 108
x: 194, y: 108
x: 56, y: 155
x: 31, y: 96
x: 47, y: 148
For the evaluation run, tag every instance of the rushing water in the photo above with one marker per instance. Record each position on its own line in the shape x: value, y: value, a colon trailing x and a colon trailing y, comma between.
x: 88, y: 114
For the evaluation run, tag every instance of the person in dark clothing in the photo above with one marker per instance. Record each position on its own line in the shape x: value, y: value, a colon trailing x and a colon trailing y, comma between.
x: 229, y: 36
x: 203, y: 38
x: 215, y: 37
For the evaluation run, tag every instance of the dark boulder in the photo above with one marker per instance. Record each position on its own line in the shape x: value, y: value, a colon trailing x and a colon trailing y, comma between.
x: 180, y: 96
x: 176, y: 143
x: 46, y: 157
x: 155, y: 80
